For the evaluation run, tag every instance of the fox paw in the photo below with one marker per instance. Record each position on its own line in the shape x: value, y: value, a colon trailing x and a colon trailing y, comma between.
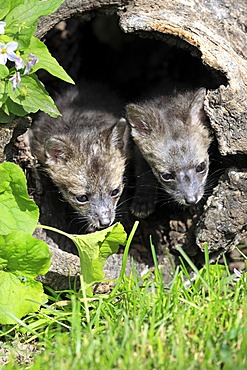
x: 143, y: 205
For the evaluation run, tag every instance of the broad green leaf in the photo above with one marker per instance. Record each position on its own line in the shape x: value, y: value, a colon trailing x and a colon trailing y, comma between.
x: 32, y: 95
x: 4, y: 8
x: 3, y: 263
x: 19, y: 295
x: 22, y: 38
x: 22, y: 257
x: 21, y: 22
x: 21, y: 34
x: 4, y: 118
x: 15, y: 3
x: 5, y: 109
x: 95, y: 248
x: 30, y: 11
x: 45, y: 60
x: 15, y: 108
x: 3, y: 93
x: 17, y: 210
x: 5, y: 39
x: 25, y: 254
x: 4, y: 71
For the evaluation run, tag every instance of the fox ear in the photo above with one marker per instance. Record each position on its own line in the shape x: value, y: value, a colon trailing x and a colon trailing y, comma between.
x: 119, y: 135
x: 197, y: 114
x: 57, y: 151
x: 137, y: 119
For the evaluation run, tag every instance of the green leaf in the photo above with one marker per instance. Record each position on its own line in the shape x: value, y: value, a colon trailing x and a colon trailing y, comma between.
x: 25, y: 255
x: 5, y: 109
x: 95, y: 248
x: 32, y: 95
x: 4, y: 8
x: 21, y: 22
x: 4, y: 71
x: 17, y: 210
x: 45, y: 60
x: 19, y: 295
x: 5, y: 39
x: 3, y: 263
x: 22, y: 257
x: 30, y: 11
x: 15, y: 108
x: 21, y: 35
x: 15, y: 3
x: 3, y: 92
x: 4, y: 118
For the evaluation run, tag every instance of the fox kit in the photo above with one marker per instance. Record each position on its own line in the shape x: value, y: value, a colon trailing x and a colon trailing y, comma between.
x: 84, y: 151
x: 172, y: 139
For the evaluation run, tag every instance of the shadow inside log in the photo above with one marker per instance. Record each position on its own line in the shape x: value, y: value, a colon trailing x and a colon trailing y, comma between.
x: 132, y: 64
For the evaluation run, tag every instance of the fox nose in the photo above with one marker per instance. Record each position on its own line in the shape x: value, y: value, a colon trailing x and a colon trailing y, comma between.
x: 191, y: 199
x: 104, y: 221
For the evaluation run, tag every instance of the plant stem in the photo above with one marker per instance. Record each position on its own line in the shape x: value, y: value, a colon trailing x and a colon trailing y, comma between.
x: 70, y: 236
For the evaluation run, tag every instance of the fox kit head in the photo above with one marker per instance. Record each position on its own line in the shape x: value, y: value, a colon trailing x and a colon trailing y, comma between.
x: 172, y: 135
x: 89, y: 172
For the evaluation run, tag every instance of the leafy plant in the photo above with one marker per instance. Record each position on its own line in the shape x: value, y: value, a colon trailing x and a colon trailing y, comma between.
x: 21, y: 55
x: 94, y: 249
x: 143, y: 321
x: 22, y: 257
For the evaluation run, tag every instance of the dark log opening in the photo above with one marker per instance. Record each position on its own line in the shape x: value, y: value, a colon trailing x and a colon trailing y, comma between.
x: 96, y: 48
x: 130, y: 63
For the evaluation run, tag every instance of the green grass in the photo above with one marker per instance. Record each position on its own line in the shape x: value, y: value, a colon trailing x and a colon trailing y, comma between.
x: 142, y: 324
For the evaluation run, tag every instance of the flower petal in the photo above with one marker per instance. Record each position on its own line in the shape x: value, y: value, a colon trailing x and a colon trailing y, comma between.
x: 3, y: 58
x: 19, y: 64
x: 11, y: 46
x: 237, y: 273
x: 12, y: 56
x: 31, y: 61
x: 2, y: 25
x: 15, y: 80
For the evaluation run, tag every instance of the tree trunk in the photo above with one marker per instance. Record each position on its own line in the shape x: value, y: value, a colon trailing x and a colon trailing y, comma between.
x: 214, y: 31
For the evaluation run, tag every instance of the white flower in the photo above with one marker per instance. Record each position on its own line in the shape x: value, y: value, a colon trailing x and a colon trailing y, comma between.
x: 7, y: 52
x: 31, y: 61
x: 2, y: 25
x: 19, y: 64
x: 15, y: 80
x: 238, y: 275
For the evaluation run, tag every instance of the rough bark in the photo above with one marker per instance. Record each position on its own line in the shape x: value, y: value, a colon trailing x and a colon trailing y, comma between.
x: 224, y: 223
x: 213, y: 29
x: 215, y: 32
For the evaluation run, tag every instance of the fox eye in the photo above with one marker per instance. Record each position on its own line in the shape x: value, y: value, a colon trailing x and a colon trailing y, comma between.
x: 115, y: 193
x: 168, y: 176
x: 81, y: 198
x: 201, y: 167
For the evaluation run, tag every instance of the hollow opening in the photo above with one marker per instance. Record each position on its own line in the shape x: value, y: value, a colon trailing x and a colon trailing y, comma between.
x: 132, y: 65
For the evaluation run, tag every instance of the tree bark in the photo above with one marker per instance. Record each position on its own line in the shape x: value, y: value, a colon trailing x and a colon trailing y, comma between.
x: 214, y: 31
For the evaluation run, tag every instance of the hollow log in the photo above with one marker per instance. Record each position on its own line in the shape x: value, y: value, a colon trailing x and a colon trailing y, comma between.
x: 214, y: 33
x: 223, y: 224
x: 214, y: 30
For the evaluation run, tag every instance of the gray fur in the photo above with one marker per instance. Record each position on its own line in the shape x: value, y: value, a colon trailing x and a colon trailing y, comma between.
x: 84, y: 151
x: 172, y: 136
